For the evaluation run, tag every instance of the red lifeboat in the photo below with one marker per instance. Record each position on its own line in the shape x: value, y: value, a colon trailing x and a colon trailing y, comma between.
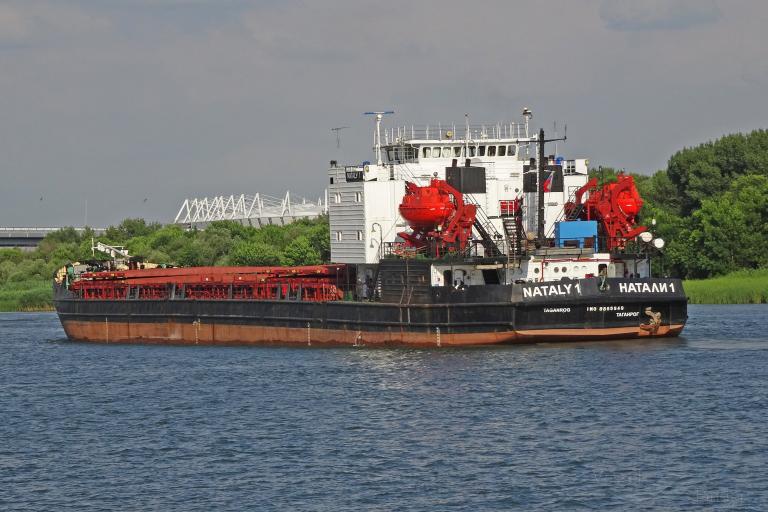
x: 426, y: 207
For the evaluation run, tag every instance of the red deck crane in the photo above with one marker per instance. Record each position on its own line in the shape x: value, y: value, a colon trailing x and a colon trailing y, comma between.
x: 615, y: 206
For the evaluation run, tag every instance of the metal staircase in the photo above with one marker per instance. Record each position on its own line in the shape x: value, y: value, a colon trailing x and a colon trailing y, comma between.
x: 489, y: 235
x: 514, y: 235
x: 575, y: 214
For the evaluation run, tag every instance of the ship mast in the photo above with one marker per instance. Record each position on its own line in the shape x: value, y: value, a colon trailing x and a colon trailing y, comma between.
x: 377, y: 135
x: 542, y: 167
x: 540, y: 199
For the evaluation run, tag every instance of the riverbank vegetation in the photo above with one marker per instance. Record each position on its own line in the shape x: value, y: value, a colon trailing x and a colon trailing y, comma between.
x: 740, y: 287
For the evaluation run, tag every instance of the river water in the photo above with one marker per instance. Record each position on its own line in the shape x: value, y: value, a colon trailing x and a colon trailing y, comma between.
x: 663, y: 425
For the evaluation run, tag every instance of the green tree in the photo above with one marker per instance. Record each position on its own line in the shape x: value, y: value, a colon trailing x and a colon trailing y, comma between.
x: 12, y: 255
x: 254, y: 254
x: 727, y: 233
x: 130, y: 228
x: 301, y: 252
x: 604, y: 175
x: 271, y: 235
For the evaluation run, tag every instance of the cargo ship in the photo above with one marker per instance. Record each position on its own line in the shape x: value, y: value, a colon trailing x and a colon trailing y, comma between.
x: 443, y: 239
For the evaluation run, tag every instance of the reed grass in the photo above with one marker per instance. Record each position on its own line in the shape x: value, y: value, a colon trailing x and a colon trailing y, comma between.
x: 29, y: 295
x: 741, y: 287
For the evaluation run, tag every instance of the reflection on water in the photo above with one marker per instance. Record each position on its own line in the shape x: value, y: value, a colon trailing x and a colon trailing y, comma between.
x: 668, y: 424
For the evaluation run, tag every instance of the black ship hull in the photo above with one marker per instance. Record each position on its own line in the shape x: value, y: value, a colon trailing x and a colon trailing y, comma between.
x: 587, y: 309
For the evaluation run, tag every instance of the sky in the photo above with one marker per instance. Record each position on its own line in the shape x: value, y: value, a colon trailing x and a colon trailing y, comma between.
x: 131, y: 106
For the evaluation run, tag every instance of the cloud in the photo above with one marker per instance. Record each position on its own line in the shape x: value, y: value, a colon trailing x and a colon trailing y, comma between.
x: 33, y: 22
x: 194, y: 97
x: 641, y: 15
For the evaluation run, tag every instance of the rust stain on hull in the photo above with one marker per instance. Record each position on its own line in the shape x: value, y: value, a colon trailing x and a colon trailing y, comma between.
x: 198, y: 333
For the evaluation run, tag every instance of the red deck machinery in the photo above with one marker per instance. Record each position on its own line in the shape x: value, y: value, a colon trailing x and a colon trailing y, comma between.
x: 439, y: 218
x: 615, y: 206
x: 311, y: 283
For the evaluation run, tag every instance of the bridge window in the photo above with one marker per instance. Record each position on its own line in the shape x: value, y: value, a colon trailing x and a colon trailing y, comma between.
x: 359, y: 235
x: 457, y: 151
x: 338, y: 236
x: 435, y: 152
x: 337, y: 198
x: 471, y: 151
x: 502, y: 150
x: 446, y: 152
x: 511, y: 150
x: 358, y: 197
x: 491, y: 150
x: 427, y: 152
x: 480, y: 150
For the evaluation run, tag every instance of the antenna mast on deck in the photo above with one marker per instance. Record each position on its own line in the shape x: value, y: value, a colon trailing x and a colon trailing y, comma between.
x: 377, y: 135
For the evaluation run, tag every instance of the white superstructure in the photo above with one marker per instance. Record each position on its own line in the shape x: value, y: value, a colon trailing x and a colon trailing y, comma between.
x: 363, y: 199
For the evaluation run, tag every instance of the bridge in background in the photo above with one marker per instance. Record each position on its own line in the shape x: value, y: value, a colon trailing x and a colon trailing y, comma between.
x: 30, y: 237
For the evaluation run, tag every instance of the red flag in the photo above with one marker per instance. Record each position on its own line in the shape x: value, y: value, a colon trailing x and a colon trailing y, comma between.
x: 548, y: 183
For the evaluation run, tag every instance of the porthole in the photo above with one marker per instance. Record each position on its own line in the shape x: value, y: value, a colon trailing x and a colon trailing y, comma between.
x: 557, y: 270
x: 536, y: 271
x: 564, y: 270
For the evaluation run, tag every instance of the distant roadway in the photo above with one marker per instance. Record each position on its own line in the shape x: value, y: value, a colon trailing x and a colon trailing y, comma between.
x: 30, y: 237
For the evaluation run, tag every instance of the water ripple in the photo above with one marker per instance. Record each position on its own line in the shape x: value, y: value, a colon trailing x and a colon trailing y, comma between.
x: 670, y: 424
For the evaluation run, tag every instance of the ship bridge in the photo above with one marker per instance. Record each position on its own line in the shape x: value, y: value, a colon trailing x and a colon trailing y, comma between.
x: 411, y: 144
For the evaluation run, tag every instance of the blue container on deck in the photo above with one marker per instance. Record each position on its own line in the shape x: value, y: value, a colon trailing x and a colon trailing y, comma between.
x: 577, y: 233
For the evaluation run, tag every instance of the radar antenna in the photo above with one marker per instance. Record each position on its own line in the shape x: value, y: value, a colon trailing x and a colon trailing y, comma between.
x: 377, y: 135
x: 527, y: 115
